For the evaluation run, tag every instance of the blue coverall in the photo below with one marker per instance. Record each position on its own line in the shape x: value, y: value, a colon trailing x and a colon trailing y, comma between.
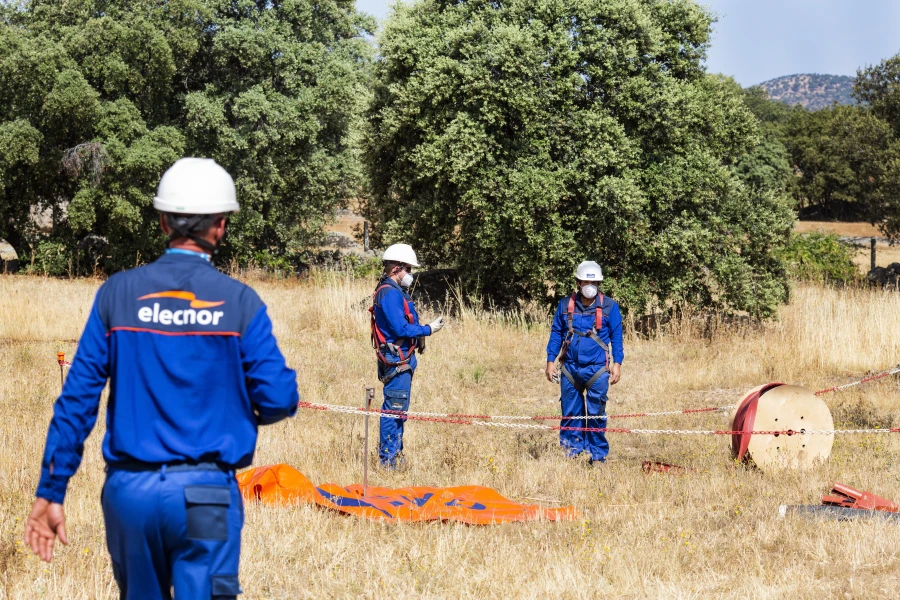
x: 194, y: 370
x: 390, y: 318
x: 584, y: 358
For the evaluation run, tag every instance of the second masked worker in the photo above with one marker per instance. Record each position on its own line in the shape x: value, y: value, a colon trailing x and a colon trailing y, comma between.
x: 586, y: 335
x: 396, y: 334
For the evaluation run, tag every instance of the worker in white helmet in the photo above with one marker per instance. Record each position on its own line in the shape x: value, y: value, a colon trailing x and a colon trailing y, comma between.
x: 396, y: 334
x: 193, y: 371
x: 586, y: 339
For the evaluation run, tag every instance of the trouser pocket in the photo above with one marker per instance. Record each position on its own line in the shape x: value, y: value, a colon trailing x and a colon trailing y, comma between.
x: 207, y: 512
x: 397, y: 399
x: 225, y: 587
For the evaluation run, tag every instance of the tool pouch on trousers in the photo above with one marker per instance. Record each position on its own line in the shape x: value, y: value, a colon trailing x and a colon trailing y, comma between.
x: 397, y: 400
x: 225, y: 587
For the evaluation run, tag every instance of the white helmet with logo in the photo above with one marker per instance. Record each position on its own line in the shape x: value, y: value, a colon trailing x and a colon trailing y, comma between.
x: 196, y: 186
x: 589, y: 271
x: 401, y: 253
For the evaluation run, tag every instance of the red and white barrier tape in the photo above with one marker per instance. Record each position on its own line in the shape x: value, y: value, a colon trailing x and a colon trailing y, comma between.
x: 344, y: 408
x: 459, y: 421
x: 838, y: 388
x: 460, y: 418
x: 496, y: 420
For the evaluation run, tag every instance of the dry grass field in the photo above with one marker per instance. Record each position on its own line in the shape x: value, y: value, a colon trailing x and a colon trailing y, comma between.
x: 712, y: 533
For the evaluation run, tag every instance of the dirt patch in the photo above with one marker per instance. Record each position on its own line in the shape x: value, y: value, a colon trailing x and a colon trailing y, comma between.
x: 859, y: 229
x: 347, y: 224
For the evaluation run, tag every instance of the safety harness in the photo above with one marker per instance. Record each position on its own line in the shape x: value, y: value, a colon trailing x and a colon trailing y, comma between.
x: 599, y: 313
x: 380, y: 343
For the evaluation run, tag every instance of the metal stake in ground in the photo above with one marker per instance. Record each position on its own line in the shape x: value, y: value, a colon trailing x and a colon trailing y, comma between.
x: 873, y: 254
x: 61, y: 359
x: 370, y: 395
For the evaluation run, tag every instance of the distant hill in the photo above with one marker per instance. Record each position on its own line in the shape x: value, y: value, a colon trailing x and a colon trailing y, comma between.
x: 811, y: 90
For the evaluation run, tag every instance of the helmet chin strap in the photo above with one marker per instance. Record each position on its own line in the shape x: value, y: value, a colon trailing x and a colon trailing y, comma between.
x: 187, y: 226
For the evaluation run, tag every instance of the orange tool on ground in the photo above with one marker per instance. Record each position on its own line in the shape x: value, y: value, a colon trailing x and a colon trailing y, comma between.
x: 285, y: 486
x: 659, y: 467
x: 847, y: 497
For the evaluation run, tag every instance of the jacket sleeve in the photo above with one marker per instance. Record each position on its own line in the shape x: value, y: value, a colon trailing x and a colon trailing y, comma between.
x: 391, y: 304
x: 615, y: 334
x: 557, y: 333
x: 272, y: 386
x: 75, y: 411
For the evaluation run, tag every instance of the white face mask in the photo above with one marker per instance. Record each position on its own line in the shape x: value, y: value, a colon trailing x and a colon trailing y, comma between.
x: 589, y: 291
x: 407, y: 280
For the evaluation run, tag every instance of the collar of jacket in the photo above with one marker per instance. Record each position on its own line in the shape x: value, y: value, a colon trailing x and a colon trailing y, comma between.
x: 591, y: 306
x: 204, y: 255
x: 173, y: 258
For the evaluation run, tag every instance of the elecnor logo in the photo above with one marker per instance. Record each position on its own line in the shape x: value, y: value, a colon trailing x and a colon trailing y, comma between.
x: 195, y: 315
x: 590, y: 275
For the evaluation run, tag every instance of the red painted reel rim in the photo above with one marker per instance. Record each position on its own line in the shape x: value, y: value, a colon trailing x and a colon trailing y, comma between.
x: 744, y: 418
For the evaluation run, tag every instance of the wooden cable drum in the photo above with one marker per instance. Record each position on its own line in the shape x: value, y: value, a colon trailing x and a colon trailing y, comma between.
x: 779, y: 407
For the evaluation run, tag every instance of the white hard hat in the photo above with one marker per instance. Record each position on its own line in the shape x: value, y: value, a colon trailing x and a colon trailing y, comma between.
x: 196, y: 186
x: 589, y: 271
x: 401, y: 253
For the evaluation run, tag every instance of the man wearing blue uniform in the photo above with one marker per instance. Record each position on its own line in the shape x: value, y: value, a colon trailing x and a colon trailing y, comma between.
x: 586, y: 336
x: 194, y: 370
x: 396, y: 335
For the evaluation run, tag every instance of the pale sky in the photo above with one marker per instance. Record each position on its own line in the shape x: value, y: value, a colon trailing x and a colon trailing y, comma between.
x: 758, y: 40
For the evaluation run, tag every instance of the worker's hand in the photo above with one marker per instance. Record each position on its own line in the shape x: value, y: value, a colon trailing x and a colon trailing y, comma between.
x: 616, y: 374
x: 550, y: 372
x: 46, y: 521
x: 437, y: 324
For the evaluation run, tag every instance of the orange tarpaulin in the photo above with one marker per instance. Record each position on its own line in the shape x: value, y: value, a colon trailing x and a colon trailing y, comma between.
x: 473, y: 504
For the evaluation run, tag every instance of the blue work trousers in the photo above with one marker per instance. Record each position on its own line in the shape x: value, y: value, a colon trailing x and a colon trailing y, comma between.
x: 170, y: 528
x: 396, y: 397
x: 574, y: 404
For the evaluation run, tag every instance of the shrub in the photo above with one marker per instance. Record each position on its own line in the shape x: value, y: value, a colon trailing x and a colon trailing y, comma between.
x: 51, y: 258
x: 820, y: 257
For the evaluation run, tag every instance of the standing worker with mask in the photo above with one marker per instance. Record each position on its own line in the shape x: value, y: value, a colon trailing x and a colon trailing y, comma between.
x: 396, y: 336
x: 586, y: 336
x: 193, y: 371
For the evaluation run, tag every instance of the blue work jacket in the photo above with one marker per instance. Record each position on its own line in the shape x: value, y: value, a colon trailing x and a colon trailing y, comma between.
x: 391, y: 318
x: 193, y: 369
x: 583, y: 351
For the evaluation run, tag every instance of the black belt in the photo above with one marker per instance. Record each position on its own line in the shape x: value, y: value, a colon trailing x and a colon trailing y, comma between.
x: 138, y: 466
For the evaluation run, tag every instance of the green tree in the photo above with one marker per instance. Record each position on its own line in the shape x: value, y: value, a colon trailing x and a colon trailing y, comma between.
x: 514, y: 139
x: 767, y: 166
x: 844, y: 155
x: 99, y: 97
x: 769, y: 112
x: 879, y: 87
